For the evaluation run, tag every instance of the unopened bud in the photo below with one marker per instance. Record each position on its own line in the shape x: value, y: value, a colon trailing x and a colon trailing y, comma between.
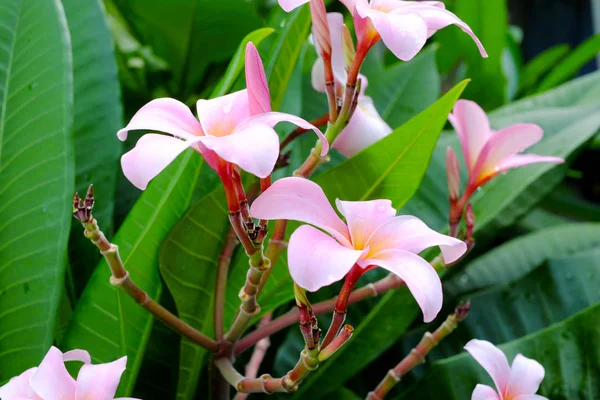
x: 82, y: 209
x: 462, y: 311
x: 453, y: 171
x: 348, y: 45
x: 301, y: 299
x: 469, y: 220
x: 321, y: 28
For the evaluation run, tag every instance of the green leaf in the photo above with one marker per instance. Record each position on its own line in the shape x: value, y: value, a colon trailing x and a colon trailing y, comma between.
x: 569, y: 67
x: 569, y: 352
x: 190, y: 35
x: 36, y: 177
x: 538, y: 67
x: 416, y: 86
x: 98, y: 116
x: 188, y: 264
x: 518, y: 257
x: 285, y: 53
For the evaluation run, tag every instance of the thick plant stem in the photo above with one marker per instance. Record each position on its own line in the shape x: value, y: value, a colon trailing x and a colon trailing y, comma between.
x: 221, y: 285
x: 418, y: 354
x: 121, y: 279
x: 371, y: 290
x: 307, y: 363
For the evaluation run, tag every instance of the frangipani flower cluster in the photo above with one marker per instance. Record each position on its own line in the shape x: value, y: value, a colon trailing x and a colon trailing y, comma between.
x: 366, y: 125
x: 51, y: 380
x: 519, y: 381
x: 371, y: 236
x: 235, y: 129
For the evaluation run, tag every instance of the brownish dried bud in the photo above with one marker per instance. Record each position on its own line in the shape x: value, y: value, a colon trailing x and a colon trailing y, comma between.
x: 82, y: 209
x: 462, y: 311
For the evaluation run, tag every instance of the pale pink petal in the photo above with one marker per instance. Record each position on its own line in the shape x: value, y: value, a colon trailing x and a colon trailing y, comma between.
x: 483, y: 392
x: 100, y: 382
x: 365, y: 128
x: 164, y: 115
x: 438, y: 18
x: 259, y: 97
x: 336, y: 22
x: 302, y: 200
x: 404, y: 34
x: 289, y: 5
x: 508, y: 142
x: 473, y: 129
x: 317, y: 75
x: 492, y: 359
x: 350, y: 4
x: 18, y: 387
x: 51, y: 381
x: 77, y: 355
x: 254, y: 149
x: 316, y: 259
x: 364, y: 217
x: 420, y: 278
x: 411, y: 234
x: 526, y: 375
x: 273, y: 118
x: 526, y: 159
x: 220, y: 116
x: 151, y: 154
x: 530, y: 397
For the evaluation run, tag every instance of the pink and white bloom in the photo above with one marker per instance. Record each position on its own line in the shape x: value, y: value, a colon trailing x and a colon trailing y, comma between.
x: 51, y: 381
x: 366, y: 125
x: 236, y: 129
x: 487, y: 152
x: 371, y: 236
x: 517, y: 382
x: 404, y: 26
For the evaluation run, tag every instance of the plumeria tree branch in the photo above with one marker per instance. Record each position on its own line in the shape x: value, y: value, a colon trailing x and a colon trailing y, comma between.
x: 418, y: 354
x: 82, y: 211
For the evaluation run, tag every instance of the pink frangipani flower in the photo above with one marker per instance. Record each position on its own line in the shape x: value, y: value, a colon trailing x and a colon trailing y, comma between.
x: 233, y: 129
x: 366, y: 125
x: 404, y: 26
x: 51, y: 381
x: 372, y: 236
x: 487, y: 152
x: 517, y: 382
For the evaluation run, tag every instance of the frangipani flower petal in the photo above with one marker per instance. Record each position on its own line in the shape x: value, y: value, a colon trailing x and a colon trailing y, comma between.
x: 77, y: 355
x: 151, y: 154
x: 254, y: 149
x: 526, y: 375
x: 364, y: 217
x: 530, y: 397
x: 404, y: 34
x: 273, y: 118
x: 301, y: 200
x: 411, y: 234
x: 437, y: 17
x: 51, y: 381
x: 526, y: 159
x: 473, y: 129
x: 420, y: 277
x: 19, y: 388
x: 256, y: 82
x: 316, y: 259
x: 221, y: 115
x: 289, y: 5
x: 164, y: 115
x: 365, y: 128
x: 99, y: 382
x: 484, y: 392
x: 493, y: 360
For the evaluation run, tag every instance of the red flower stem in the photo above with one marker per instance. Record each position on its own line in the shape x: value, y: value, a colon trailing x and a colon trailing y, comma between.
x: 221, y: 285
x: 457, y: 209
x: 337, y: 343
x: 121, y: 279
x: 371, y: 290
x: 418, y: 354
x: 341, y: 304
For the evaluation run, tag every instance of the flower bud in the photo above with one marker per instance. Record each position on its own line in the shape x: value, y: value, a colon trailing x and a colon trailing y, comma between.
x: 321, y: 28
x: 348, y: 46
x: 453, y: 170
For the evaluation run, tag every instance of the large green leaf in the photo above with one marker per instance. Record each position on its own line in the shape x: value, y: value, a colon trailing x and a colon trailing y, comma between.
x: 518, y: 257
x: 569, y: 67
x: 190, y: 35
x: 36, y: 176
x: 569, y: 352
x: 535, y: 69
x: 188, y: 264
x: 98, y: 116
